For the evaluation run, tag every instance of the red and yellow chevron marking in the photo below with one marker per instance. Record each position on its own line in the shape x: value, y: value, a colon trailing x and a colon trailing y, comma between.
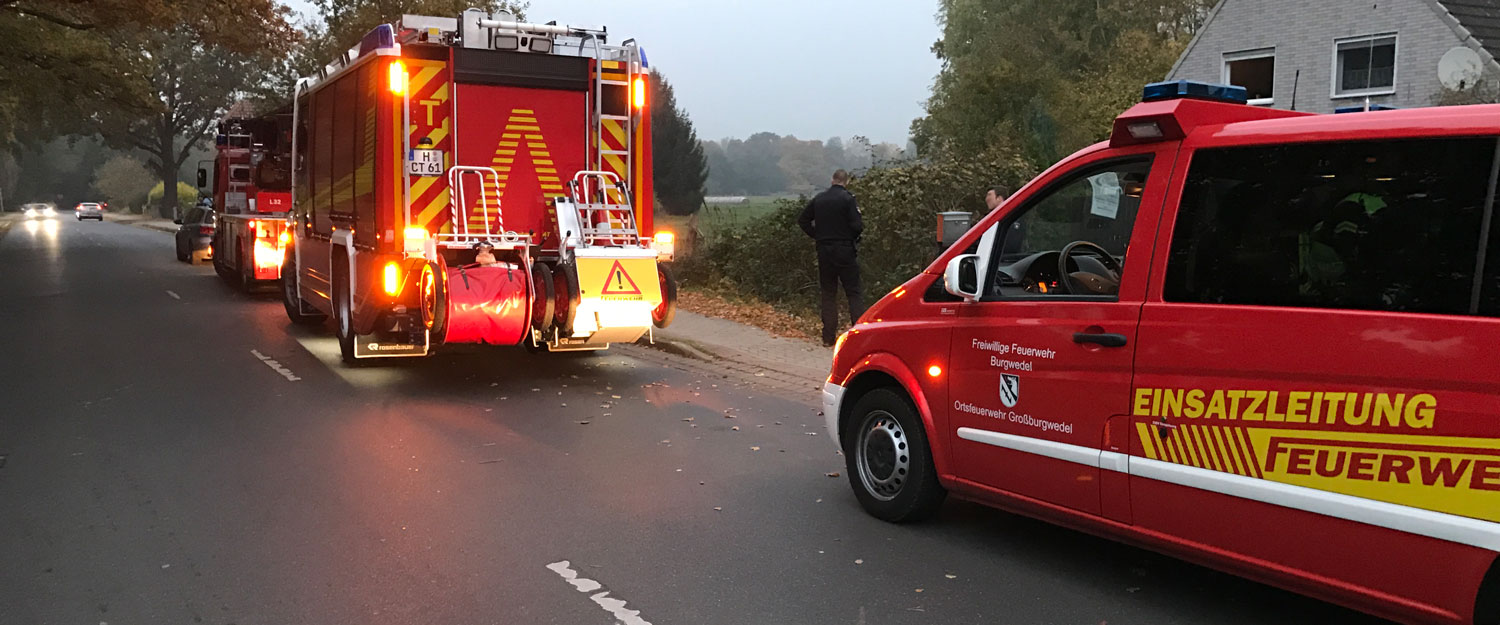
x: 1214, y: 447
x: 612, y: 137
x: 522, y: 139
x: 431, y: 118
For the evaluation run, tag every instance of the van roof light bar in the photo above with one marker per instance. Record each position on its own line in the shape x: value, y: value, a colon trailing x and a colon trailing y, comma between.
x: 1192, y: 89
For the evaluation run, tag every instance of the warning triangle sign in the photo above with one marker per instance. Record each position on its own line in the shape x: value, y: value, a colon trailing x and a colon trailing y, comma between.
x: 617, y: 282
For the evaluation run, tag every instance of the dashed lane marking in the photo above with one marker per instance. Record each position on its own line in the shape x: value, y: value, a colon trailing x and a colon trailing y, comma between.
x: 615, y: 607
x: 275, y: 366
x: 173, y: 294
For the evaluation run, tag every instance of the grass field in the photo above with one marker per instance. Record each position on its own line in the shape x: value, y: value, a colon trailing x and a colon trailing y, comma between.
x: 712, y: 218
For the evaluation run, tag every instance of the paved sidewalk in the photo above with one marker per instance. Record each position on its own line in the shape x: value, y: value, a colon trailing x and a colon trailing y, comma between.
x: 745, y: 348
x: 142, y: 221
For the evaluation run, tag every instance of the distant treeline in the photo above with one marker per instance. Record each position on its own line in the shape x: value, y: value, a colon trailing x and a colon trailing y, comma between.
x: 770, y: 164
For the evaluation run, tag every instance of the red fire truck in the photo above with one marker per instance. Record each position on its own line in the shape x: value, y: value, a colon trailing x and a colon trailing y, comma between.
x: 476, y: 180
x: 252, y: 197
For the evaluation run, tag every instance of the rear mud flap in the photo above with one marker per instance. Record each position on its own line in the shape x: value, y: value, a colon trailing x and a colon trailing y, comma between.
x: 371, y: 346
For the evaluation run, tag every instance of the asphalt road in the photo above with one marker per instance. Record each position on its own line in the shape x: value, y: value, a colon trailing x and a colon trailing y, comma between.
x: 156, y: 468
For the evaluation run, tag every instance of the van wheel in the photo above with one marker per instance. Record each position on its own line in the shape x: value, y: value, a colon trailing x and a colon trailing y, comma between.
x: 888, y: 459
x: 1487, y: 604
x: 343, y: 314
x: 292, y: 299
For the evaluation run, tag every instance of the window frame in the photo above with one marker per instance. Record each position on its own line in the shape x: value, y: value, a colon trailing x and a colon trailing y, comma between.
x: 1081, y: 171
x: 1338, y: 45
x: 1251, y: 55
x: 1172, y: 216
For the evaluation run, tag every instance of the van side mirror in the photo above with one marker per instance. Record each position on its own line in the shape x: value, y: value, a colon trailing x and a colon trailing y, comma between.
x: 202, y: 178
x: 961, y: 277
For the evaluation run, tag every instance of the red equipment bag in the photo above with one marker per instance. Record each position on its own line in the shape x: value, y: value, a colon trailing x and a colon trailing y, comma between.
x: 487, y: 304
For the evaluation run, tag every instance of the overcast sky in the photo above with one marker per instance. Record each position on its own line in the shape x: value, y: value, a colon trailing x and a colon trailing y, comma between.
x: 810, y: 68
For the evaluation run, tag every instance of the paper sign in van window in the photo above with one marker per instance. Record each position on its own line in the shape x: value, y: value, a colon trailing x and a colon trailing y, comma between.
x: 1106, y: 201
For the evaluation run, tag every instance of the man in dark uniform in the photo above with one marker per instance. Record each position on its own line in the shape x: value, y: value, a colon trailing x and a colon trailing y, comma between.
x: 832, y: 220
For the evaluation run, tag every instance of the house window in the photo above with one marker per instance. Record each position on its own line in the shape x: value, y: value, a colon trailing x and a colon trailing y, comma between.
x: 1255, y: 70
x: 1365, y: 66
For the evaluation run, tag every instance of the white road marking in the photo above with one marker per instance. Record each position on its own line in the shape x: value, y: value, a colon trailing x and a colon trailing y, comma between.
x: 610, y: 604
x: 174, y: 294
x: 275, y: 366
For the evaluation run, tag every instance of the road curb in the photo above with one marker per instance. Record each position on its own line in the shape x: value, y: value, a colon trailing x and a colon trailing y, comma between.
x: 681, y: 348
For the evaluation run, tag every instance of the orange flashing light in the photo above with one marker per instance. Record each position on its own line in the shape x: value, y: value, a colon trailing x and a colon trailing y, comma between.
x: 934, y: 371
x: 392, y: 279
x: 664, y: 238
x: 639, y: 93
x: 397, y: 80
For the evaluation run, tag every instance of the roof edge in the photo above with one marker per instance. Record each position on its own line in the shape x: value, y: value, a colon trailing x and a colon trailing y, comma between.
x: 1464, y: 36
x: 1207, y: 22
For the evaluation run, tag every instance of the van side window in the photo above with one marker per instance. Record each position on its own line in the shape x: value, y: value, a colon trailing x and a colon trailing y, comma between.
x: 1089, y: 215
x: 1369, y: 225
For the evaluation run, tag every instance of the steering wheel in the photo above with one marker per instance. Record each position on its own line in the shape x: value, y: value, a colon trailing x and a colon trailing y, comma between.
x: 1066, y: 277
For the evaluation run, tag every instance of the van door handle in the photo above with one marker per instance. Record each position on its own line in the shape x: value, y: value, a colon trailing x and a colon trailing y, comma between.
x: 1103, y: 339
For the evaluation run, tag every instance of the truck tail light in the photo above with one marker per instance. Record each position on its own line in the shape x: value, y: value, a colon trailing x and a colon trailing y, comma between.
x: 392, y: 279
x: 396, y: 81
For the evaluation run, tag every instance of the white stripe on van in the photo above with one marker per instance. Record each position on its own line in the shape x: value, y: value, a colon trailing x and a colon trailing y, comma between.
x: 1440, y: 525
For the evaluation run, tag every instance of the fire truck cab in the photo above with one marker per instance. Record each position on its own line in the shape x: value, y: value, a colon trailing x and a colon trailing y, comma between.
x: 1256, y: 339
x: 252, y: 197
x: 476, y: 180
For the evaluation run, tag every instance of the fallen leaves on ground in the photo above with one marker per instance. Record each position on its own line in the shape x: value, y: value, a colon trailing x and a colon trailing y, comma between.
x: 750, y: 312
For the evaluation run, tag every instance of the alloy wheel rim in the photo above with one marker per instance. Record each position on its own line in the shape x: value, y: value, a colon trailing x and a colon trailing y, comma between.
x: 882, y: 455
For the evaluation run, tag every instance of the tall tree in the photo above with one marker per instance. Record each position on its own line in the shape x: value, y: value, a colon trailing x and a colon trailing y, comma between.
x: 194, y: 83
x: 677, y: 161
x: 1046, y: 76
x: 144, y: 73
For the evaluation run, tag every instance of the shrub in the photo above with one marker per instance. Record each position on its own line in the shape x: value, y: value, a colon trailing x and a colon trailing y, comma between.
x: 770, y: 258
x: 187, y: 196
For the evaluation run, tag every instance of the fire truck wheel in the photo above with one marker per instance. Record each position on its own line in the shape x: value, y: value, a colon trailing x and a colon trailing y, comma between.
x: 343, y: 313
x: 291, y: 299
x: 434, y: 299
x: 888, y: 460
x: 545, y: 304
x: 565, y: 280
x: 664, y: 312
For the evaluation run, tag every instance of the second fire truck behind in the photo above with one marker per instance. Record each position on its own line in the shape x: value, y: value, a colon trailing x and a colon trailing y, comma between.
x: 476, y: 180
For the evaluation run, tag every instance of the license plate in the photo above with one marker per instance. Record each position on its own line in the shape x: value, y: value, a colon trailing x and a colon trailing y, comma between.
x: 425, y: 163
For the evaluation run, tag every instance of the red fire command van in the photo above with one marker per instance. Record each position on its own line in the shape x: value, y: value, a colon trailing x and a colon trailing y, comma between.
x: 476, y: 180
x: 1261, y: 340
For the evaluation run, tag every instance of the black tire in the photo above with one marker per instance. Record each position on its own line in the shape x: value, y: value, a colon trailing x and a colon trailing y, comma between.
x: 343, y: 312
x: 435, y: 306
x: 565, y: 280
x: 888, y: 459
x: 292, y: 299
x: 663, y: 314
x: 1487, y: 604
x: 544, y: 306
x: 182, y: 254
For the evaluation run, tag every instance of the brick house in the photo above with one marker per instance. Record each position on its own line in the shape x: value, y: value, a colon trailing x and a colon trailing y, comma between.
x: 1319, y: 55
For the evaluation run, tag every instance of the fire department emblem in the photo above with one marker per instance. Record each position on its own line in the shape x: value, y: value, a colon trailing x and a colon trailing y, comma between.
x: 1010, y: 390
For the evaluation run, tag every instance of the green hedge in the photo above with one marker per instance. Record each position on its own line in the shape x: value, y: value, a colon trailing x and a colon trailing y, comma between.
x: 771, y: 259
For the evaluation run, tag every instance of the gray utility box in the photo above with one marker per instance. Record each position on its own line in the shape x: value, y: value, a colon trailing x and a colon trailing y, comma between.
x: 950, y: 226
